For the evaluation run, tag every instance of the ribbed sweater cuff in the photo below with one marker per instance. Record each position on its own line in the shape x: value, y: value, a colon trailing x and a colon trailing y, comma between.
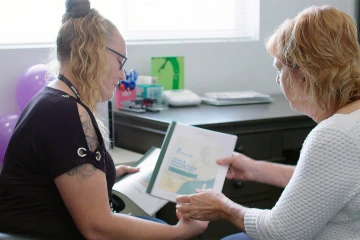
x: 250, y: 222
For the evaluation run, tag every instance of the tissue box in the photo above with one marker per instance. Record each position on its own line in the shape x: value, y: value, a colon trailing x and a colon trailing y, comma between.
x: 124, y: 96
x: 153, y: 91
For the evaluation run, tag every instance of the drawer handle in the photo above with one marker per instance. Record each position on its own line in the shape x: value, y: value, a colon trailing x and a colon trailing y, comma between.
x: 238, y: 185
x: 239, y: 149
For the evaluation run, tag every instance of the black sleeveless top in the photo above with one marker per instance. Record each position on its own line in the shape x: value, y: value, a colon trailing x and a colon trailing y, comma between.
x: 45, y: 144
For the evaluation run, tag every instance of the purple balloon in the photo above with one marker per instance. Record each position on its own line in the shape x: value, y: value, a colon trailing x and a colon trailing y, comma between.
x: 7, y: 125
x: 30, y: 83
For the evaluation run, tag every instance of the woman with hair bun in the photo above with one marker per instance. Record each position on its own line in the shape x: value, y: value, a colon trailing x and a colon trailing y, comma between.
x: 57, y: 175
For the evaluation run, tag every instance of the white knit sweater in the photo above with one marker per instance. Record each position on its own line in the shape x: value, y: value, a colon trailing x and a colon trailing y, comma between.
x: 322, y: 199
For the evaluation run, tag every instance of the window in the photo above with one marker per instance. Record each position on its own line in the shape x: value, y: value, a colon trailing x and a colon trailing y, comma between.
x: 38, y: 21
x: 30, y: 21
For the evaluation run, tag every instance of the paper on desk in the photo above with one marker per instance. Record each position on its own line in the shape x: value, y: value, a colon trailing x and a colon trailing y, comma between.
x: 239, y: 95
x: 235, y: 98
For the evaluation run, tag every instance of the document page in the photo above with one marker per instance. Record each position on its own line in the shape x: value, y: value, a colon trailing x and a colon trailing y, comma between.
x: 189, y: 162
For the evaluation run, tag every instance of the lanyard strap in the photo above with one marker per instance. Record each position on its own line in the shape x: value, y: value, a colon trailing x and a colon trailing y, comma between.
x: 70, y: 85
x: 93, y: 120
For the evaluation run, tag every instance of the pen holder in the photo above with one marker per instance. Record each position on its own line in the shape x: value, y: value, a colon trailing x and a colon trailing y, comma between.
x: 124, y: 96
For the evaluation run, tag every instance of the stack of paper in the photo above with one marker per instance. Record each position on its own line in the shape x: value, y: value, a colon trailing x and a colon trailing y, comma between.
x: 235, y: 98
x: 134, y: 186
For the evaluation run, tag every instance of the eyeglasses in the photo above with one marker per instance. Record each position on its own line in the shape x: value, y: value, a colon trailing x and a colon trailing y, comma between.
x: 122, y: 63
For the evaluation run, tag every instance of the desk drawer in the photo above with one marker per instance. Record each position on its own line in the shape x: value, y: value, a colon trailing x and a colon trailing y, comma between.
x: 234, y: 190
x: 294, y: 139
x: 257, y: 145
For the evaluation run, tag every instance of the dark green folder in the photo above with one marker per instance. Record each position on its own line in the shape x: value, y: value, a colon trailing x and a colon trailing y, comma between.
x: 161, y: 156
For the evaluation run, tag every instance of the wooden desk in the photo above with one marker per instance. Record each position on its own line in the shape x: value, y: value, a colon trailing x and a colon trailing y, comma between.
x: 272, y: 132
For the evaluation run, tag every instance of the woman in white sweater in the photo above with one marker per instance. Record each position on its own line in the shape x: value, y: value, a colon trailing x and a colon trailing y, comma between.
x: 317, y: 56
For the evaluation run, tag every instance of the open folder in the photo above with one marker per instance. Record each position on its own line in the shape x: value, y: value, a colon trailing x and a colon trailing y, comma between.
x: 133, y: 186
x: 187, y: 161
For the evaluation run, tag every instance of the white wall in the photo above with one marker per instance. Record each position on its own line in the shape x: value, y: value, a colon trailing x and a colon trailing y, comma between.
x: 208, y: 66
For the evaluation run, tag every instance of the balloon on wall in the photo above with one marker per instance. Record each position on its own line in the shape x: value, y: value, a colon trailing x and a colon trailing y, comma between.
x: 30, y: 83
x: 7, y: 125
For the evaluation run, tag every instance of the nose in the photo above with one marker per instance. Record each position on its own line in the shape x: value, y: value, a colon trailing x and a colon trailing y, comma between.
x: 122, y: 74
x: 277, y: 79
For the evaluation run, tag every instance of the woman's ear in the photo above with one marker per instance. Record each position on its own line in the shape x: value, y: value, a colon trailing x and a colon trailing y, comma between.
x: 305, y: 81
x: 301, y: 75
x: 302, y: 82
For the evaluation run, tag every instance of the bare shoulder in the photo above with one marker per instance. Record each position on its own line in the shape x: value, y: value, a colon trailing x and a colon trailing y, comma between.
x: 88, y: 127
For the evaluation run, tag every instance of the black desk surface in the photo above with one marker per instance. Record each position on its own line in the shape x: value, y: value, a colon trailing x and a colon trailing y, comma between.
x: 213, y: 115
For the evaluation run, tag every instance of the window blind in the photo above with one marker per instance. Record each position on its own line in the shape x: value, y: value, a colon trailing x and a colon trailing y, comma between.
x: 38, y: 21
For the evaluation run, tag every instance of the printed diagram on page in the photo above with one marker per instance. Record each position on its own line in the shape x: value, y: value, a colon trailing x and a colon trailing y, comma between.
x: 189, y: 165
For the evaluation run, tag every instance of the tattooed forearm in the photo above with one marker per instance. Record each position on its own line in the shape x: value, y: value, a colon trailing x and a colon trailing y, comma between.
x: 89, y: 131
x: 83, y: 172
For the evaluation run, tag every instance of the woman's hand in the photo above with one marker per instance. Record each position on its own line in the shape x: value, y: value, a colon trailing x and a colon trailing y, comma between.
x: 209, y: 205
x: 241, y: 167
x: 190, y: 227
x: 122, y: 169
x: 205, y: 205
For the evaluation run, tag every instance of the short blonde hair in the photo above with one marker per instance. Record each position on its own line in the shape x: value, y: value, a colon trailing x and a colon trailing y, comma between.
x: 322, y: 42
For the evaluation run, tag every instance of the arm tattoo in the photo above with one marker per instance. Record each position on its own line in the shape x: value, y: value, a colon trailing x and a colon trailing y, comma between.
x: 83, y: 171
x: 89, y: 131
